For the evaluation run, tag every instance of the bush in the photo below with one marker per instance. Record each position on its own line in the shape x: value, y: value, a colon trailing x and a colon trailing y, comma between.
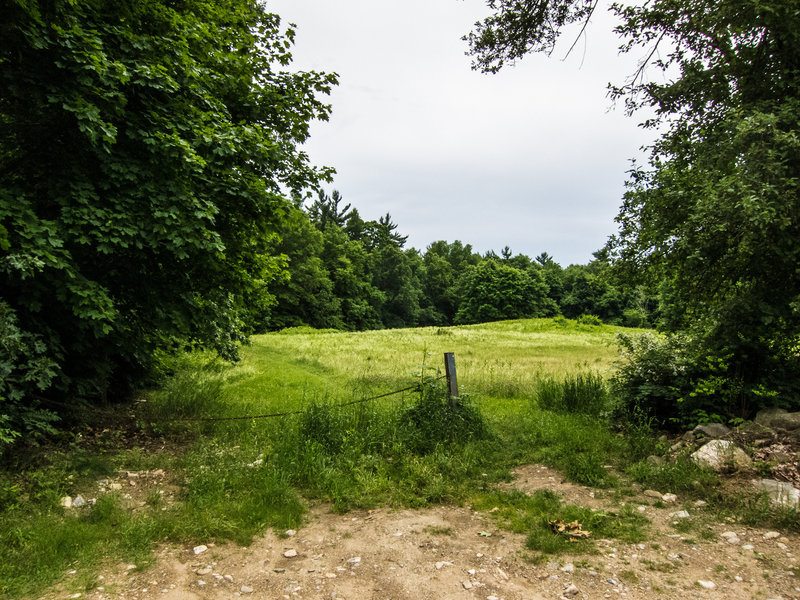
x: 26, y: 370
x: 585, y: 393
x: 435, y: 420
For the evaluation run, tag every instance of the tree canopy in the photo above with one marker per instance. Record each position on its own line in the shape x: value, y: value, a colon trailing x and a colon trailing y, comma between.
x: 146, y: 148
x: 713, y: 219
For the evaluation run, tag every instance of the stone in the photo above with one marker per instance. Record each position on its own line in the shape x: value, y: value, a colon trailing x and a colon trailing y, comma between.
x: 771, y: 535
x: 572, y: 590
x: 467, y: 585
x: 443, y: 564
x: 681, y: 514
x: 290, y: 532
x: 568, y: 568
x: 653, y: 494
x: 66, y: 502
x: 200, y: 549
x: 246, y: 589
x: 669, y: 498
x: 709, y: 585
x: 731, y: 537
x: 228, y: 578
x: 780, y: 492
x: 711, y: 430
x: 203, y: 571
x: 290, y: 553
x: 355, y: 560
x: 721, y: 455
x: 788, y: 421
x: 700, y: 503
x: 78, y: 502
x: 765, y: 416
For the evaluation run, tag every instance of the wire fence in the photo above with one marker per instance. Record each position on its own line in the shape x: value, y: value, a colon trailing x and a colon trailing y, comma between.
x: 416, y: 387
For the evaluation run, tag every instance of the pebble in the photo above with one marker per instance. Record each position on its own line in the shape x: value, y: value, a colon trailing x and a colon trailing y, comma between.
x: 731, y: 537
x: 355, y: 560
x: 78, y: 502
x: 700, y: 503
x: 199, y: 549
x: 66, y: 502
x: 290, y: 553
x: 279, y: 570
x: 290, y: 532
x: 748, y: 547
x: 653, y: 494
x: 669, y: 498
x: 568, y: 568
x: 771, y: 535
x: 204, y: 571
x: 572, y: 590
x: 228, y: 578
x: 442, y: 564
x: 709, y: 585
x: 467, y: 585
x: 246, y: 589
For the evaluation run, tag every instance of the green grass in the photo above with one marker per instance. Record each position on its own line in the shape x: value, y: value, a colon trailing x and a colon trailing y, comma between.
x: 532, y: 391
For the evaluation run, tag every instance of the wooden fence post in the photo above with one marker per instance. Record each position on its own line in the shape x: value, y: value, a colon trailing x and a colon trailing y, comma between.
x: 452, y: 380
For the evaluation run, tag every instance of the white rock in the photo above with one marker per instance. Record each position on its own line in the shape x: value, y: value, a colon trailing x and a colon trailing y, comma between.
x: 203, y: 571
x: 572, y: 590
x: 568, y: 568
x: 355, y: 560
x: 709, y: 585
x: 731, y: 537
x: 748, y: 547
x: 780, y: 492
x: 669, y: 498
x: 246, y: 589
x: 442, y: 564
x: 467, y: 585
x: 681, y: 514
x: 66, y: 502
x: 228, y: 578
x: 290, y: 553
x: 721, y: 455
x: 290, y: 532
x: 700, y: 503
x: 771, y: 535
x: 78, y: 502
x: 200, y: 549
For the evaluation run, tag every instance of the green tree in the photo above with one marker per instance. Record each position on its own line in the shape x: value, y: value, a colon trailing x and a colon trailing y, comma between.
x: 714, y: 217
x: 495, y: 291
x: 144, y: 150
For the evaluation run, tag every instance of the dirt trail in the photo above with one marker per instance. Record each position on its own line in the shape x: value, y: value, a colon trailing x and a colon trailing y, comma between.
x: 438, y: 554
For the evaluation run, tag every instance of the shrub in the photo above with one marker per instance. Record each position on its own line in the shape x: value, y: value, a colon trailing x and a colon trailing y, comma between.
x: 582, y: 393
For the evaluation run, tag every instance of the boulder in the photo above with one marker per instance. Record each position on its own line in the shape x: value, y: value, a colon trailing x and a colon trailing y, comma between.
x: 788, y: 421
x: 779, y: 492
x: 711, y: 430
x: 766, y: 415
x: 722, y: 455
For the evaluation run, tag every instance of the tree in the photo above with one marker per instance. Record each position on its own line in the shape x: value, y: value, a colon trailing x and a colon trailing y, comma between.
x: 145, y: 147
x: 495, y: 291
x: 714, y: 217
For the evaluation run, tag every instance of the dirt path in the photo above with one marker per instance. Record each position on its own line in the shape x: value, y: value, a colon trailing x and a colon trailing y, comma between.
x: 438, y: 554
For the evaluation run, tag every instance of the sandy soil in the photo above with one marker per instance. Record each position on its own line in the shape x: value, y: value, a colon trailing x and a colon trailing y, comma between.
x: 438, y: 554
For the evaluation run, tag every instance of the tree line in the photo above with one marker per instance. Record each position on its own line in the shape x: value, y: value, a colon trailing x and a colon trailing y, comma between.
x: 348, y: 273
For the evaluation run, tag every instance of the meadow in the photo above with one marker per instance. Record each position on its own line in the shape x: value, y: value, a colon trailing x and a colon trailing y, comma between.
x: 531, y: 391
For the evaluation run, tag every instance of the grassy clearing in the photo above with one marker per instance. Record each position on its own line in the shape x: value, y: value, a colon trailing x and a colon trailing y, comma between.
x: 533, y: 391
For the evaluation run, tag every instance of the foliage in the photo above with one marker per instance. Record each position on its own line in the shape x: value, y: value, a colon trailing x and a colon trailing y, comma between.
x: 495, y: 291
x: 25, y: 372
x: 713, y: 218
x: 144, y: 151
x: 580, y: 393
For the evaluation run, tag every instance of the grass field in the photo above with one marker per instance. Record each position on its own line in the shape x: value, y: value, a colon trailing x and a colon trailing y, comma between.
x: 533, y: 391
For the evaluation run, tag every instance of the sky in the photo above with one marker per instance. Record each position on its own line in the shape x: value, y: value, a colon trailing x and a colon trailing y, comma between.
x: 534, y: 158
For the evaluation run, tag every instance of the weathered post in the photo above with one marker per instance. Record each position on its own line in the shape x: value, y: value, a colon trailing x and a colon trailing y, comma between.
x: 452, y: 380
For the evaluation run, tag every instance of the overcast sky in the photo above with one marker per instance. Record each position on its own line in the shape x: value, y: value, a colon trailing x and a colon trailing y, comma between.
x: 534, y: 158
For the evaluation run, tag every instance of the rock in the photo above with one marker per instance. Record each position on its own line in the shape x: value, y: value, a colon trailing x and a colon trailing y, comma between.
x: 721, y: 455
x: 711, y: 430
x: 568, y: 568
x: 709, y: 585
x: 572, y: 590
x: 66, y: 502
x: 788, y: 421
x: 467, y: 585
x: 355, y: 560
x: 115, y: 486
x: 442, y: 564
x: 771, y: 535
x: 765, y: 416
x: 731, y: 537
x: 780, y: 492
x: 290, y: 532
x: 700, y: 503
x: 290, y: 553
x: 228, y: 578
x: 246, y: 589
x: 653, y: 494
x: 78, y: 502
x: 199, y: 549
x: 669, y: 498
x: 748, y: 547
x: 681, y: 514
x: 203, y: 571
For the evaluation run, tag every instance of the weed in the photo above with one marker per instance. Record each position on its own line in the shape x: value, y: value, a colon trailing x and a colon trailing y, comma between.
x: 438, y: 530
